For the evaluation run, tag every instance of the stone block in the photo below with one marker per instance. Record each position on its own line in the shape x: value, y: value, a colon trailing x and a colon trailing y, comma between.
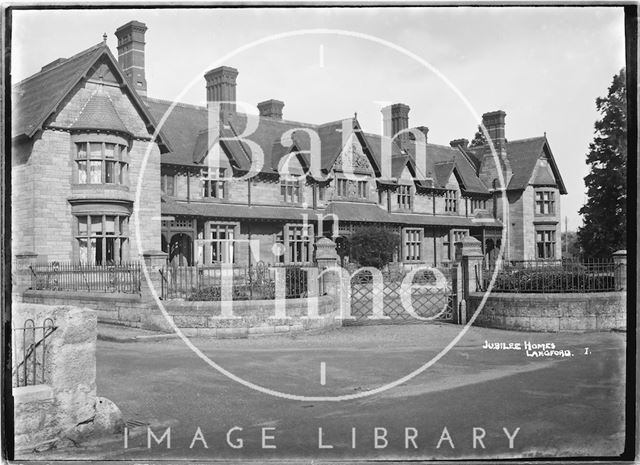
x: 108, y: 418
x: 233, y: 333
x: 572, y: 324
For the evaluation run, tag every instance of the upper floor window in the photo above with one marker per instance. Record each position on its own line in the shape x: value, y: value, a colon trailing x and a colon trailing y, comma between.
x: 404, y: 197
x: 102, y: 239
x: 545, y: 203
x: 478, y: 204
x: 290, y: 192
x: 213, y: 187
x: 451, y: 201
x: 101, y: 163
x: 354, y: 189
x: 168, y: 184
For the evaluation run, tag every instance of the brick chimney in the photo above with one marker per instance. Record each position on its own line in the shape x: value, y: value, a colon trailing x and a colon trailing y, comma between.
x: 424, y: 130
x: 462, y: 143
x: 396, y: 118
x: 271, y: 109
x: 221, y: 87
x: 494, y: 122
x: 131, y: 54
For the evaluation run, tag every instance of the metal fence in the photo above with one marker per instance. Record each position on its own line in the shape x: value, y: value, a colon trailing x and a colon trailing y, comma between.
x: 68, y: 276
x: 254, y: 282
x: 30, y: 352
x: 552, y: 276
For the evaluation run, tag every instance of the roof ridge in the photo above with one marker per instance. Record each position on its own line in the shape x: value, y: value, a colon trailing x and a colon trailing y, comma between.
x: 177, y: 104
x: 526, y: 139
x: 67, y: 60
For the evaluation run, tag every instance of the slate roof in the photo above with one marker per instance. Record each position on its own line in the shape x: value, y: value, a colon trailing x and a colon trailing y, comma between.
x: 223, y: 210
x: 99, y: 113
x: 523, y: 155
x: 36, y: 97
x: 370, y: 213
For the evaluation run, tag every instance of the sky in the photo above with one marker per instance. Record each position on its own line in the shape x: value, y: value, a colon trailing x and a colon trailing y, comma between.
x: 543, y: 66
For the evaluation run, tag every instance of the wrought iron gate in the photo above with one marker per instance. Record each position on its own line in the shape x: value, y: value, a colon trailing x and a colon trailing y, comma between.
x: 430, y: 299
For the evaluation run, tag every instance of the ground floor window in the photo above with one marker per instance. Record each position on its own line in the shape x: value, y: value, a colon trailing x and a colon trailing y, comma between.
x: 412, y: 244
x: 102, y: 239
x: 298, y: 243
x: 221, y: 240
x: 545, y: 244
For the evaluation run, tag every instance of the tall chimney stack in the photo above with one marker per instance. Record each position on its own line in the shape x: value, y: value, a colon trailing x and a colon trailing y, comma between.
x: 131, y: 54
x: 494, y: 122
x: 396, y: 119
x: 221, y: 87
x: 271, y: 109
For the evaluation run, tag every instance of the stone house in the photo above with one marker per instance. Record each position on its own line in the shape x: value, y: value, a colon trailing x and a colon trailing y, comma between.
x: 84, y: 157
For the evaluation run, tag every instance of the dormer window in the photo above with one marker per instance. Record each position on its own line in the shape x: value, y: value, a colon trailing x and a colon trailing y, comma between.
x: 451, y: 201
x: 405, y: 197
x: 101, y: 163
x: 212, y: 187
x: 290, y: 192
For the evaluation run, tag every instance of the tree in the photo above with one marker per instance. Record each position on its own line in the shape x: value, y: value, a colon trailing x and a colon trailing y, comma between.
x: 570, y: 245
x: 478, y: 139
x: 373, y: 246
x: 605, y: 213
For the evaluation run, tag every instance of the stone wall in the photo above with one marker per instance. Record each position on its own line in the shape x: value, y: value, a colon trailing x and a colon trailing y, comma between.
x: 598, y: 311
x: 196, y: 318
x: 255, y: 317
x: 65, y: 406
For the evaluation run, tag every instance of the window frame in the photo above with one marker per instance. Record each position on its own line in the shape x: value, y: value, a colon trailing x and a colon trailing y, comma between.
x: 212, y: 184
x: 412, y: 242
x: 225, y: 250
x: 305, y: 242
x: 451, y: 201
x: 544, y: 202
x: 545, y: 249
x: 119, y: 238
x: 119, y: 161
x: 404, y: 197
x: 291, y: 191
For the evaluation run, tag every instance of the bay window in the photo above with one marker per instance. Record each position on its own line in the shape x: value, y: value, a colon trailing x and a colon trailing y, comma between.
x: 102, y: 239
x: 101, y: 163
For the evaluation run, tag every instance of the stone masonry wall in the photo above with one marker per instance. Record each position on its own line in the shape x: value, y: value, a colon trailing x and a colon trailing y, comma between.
x: 601, y: 311
x: 46, y: 413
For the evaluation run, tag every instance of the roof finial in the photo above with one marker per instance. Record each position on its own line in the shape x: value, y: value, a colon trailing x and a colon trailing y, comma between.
x: 104, y: 38
x: 545, y: 134
x: 355, y: 115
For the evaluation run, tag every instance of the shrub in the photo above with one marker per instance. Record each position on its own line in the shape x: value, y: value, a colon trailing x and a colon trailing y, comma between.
x: 373, y: 246
x: 553, y: 280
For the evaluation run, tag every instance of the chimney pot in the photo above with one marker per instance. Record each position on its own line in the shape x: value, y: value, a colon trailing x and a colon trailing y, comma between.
x: 131, y: 54
x: 271, y: 109
x: 463, y: 143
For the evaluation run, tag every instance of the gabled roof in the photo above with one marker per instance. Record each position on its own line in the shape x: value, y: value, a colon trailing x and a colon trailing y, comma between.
x: 523, y: 155
x: 36, y: 98
x: 99, y: 113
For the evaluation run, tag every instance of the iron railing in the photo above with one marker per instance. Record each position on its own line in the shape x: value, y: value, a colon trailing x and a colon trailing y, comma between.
x: 254, y: 282
x: 68, y: 276
x: 552, y: 276
x: 30, y: 352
